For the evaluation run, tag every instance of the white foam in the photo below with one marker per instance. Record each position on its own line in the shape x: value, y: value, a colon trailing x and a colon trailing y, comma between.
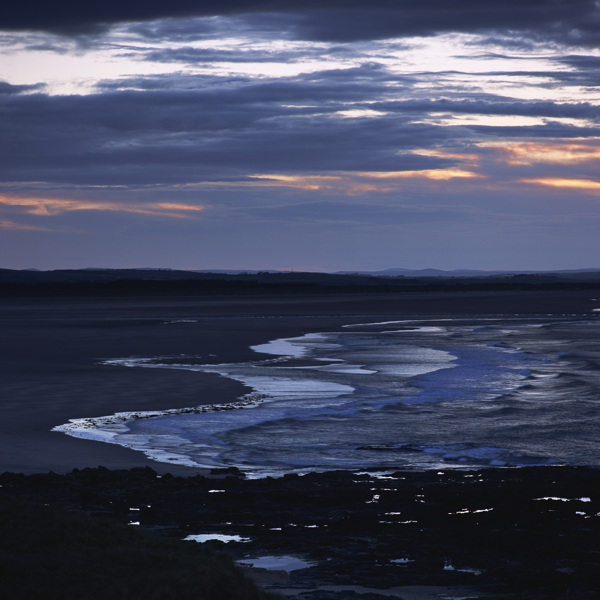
x: 377, y: 323
x: 340, y: 368
x: 101, y: 429
x: 279, y: 388
x: 114, y: 430
x: 297, y: 347
x: 559, y: 499
x: 410, y: 329
x: 281, y: 348
x: 423, y: 329
x: 220, y: 537
x: 164, y: 445
x: 355, y: 388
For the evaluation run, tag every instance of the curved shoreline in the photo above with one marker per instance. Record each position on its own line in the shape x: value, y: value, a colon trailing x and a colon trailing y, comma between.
x: 52, y: 349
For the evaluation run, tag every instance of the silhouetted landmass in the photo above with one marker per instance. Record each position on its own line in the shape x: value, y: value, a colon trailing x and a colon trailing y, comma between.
x: 165, y: 282
x: 520, y: 533
x: 50, y: 553
x: 576, y: 273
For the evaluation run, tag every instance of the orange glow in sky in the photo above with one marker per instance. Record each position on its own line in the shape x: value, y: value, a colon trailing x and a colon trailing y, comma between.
x: 565, y: 152
x: 53, y: 206
x: 581, y: 184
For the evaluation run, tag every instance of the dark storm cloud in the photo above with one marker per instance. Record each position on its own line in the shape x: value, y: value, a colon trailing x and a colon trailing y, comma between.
x: 563, y: 78
x: 238, y: 54
x: 582, y: 110
x: 248, y: 53
x: 555, y: 18
x: 264, y: 25
x: 549, y: 130
x: 179, y: 136
x: 585, y: 62
x: 582, y: 70
x: 193, y: 56
x: 176, y: 128
x: 8, y: 89
x: 337, y: 85
x: 343, y: 20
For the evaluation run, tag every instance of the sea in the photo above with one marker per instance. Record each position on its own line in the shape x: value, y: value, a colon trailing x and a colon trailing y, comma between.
x: 432, y: 393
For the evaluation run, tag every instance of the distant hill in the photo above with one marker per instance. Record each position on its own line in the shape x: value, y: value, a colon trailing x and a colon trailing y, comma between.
x: 466, y: 272
x: 143, y: 282
x: 424, y: 273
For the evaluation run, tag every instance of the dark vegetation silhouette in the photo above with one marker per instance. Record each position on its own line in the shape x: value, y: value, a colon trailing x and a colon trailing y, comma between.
x: 50, y: 553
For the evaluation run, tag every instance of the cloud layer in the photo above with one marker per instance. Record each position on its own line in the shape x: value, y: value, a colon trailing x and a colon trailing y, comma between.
x: 354, y: 133
x: 331, y: 20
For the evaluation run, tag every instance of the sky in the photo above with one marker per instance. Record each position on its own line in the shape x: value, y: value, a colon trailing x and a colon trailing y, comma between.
x: 310, y: 135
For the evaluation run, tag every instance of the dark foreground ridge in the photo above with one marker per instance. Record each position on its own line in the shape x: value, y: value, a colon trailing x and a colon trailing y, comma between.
x: 504, y: 533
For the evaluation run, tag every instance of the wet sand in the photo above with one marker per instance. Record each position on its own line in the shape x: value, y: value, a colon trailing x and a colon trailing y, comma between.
x: 51, y: 351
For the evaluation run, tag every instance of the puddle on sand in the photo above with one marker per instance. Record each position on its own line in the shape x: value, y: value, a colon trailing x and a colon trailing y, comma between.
x: 276, y: 563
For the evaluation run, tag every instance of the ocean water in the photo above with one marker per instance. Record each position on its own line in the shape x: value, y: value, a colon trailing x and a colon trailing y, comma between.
x: 419, y: 394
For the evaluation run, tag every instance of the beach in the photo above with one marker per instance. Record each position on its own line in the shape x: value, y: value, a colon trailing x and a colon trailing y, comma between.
x: 52, y: 350
x: 518, y: 533
x: 51, y: 371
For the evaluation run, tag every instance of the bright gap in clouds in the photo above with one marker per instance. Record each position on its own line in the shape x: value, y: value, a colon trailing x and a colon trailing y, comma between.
x: 501, y: 120
x: 456, y: 52
x: 73, y: 73
x: 443, y: 64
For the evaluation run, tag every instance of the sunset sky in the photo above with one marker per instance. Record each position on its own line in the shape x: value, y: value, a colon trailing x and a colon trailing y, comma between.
x: 309, y: 135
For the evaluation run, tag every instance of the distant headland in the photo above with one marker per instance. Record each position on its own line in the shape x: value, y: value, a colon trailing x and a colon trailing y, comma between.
x: 127, y: 282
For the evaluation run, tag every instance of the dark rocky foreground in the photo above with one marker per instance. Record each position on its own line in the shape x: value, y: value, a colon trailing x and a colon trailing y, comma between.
x: 526, y: 533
